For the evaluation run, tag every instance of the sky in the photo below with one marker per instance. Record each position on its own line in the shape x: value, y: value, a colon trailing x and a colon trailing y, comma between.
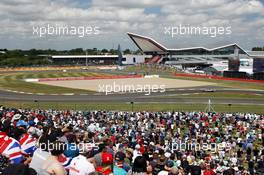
x: 108, y: 21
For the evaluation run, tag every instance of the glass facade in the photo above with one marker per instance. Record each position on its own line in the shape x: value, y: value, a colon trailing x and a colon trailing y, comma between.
x: 258, y: 65
x: 229, y: 50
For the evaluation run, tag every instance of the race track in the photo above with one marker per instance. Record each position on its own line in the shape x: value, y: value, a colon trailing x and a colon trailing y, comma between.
x: 170, y: 96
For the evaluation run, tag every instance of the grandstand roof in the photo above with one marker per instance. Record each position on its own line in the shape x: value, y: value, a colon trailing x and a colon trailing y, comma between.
x: 149, y: 45
x: 256, y: 53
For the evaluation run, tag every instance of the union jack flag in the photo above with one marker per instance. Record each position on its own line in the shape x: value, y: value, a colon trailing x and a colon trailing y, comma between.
x: 10, y: 148
x: 65, y: 161
x: 28, y: 144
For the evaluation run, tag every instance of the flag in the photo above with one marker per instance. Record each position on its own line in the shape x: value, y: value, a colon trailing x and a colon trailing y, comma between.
x: 65, y: 161
x: 28, y: 144
x: 10, y: 148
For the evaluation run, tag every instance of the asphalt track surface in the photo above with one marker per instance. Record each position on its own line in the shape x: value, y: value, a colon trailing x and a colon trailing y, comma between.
x: 169, y: 96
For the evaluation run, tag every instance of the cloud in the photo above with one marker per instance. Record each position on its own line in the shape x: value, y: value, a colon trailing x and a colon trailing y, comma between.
x: 116, y: 17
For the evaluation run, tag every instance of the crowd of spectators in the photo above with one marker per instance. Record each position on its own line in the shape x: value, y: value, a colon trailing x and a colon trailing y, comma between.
x: 61, y: 142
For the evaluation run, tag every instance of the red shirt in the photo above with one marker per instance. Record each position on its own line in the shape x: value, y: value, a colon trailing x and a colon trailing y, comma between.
x: 209, y: 172
x: 105, y: 171
x: 142, y: 149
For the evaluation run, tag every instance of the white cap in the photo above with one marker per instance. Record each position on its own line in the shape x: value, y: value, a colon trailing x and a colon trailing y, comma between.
x: 16, y: 117
x: 167, y: 154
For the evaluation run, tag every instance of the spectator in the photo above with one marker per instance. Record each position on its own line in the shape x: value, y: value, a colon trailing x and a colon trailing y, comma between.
x: 52, y: 165
x: 80, y: 165
x: 146, y: 137
x: 139, y: 166
x: 119, y: 161
x: 168, y: 169
x: 106, y: 167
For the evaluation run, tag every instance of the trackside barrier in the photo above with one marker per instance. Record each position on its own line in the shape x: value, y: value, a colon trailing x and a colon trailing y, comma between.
x: 151, y: 76
x: 90, y: 78
x: 31, y: 80
x: 219, y: 78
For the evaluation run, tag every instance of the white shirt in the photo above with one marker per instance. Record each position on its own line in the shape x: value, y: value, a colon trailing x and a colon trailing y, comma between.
x: 92, y: 128
x: 81, y: 166
x: 136, y: 153
x: 163, y: 172
x: 37, y: 160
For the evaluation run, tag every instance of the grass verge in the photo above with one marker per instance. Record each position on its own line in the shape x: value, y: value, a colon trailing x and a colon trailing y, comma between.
x: 136, y: 107
x: 15, y: 81
x: 223, y: 83
x: 224, y: 95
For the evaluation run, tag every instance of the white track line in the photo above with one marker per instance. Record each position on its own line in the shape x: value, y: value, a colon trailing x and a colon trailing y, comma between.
x: 185, y: 94
x: 68, y: 94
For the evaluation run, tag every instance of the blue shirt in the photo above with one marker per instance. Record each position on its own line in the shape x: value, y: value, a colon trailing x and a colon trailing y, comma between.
x: 119, y: 171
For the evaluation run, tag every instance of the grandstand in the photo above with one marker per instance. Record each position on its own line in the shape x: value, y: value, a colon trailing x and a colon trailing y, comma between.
x: 156, y: 59
x: 97, y: 59
x: 230, y: 57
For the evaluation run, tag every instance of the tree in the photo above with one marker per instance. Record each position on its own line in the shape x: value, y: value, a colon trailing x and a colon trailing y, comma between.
x: 138, y: 52
x: 258, y: 49
x: 113, y: 51
x: 77, y: 51
x: 104, y: 51
x: 127, y: 51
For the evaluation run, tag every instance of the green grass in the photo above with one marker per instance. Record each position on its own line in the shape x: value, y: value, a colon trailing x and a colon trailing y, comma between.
x: 15, y: 81
x: 223, y: 83
x: 233, y: 95
x: 150, y: 69
x: 242, y: 85
x: 168, y: 73
x: 136, y: 107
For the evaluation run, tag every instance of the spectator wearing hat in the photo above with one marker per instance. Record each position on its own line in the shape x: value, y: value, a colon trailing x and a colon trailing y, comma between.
x: 136, y: 152
x: 129, y: 156
x: 107, y: 164
x: 16, y: 117
x: 21, y: 128
x: 119, y: 161
x: 98, y: 156
x: 155, y: 158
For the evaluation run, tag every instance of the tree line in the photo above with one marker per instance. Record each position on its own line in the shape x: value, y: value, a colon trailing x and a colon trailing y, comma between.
x: 39, y: 57
x: 258, y: 48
